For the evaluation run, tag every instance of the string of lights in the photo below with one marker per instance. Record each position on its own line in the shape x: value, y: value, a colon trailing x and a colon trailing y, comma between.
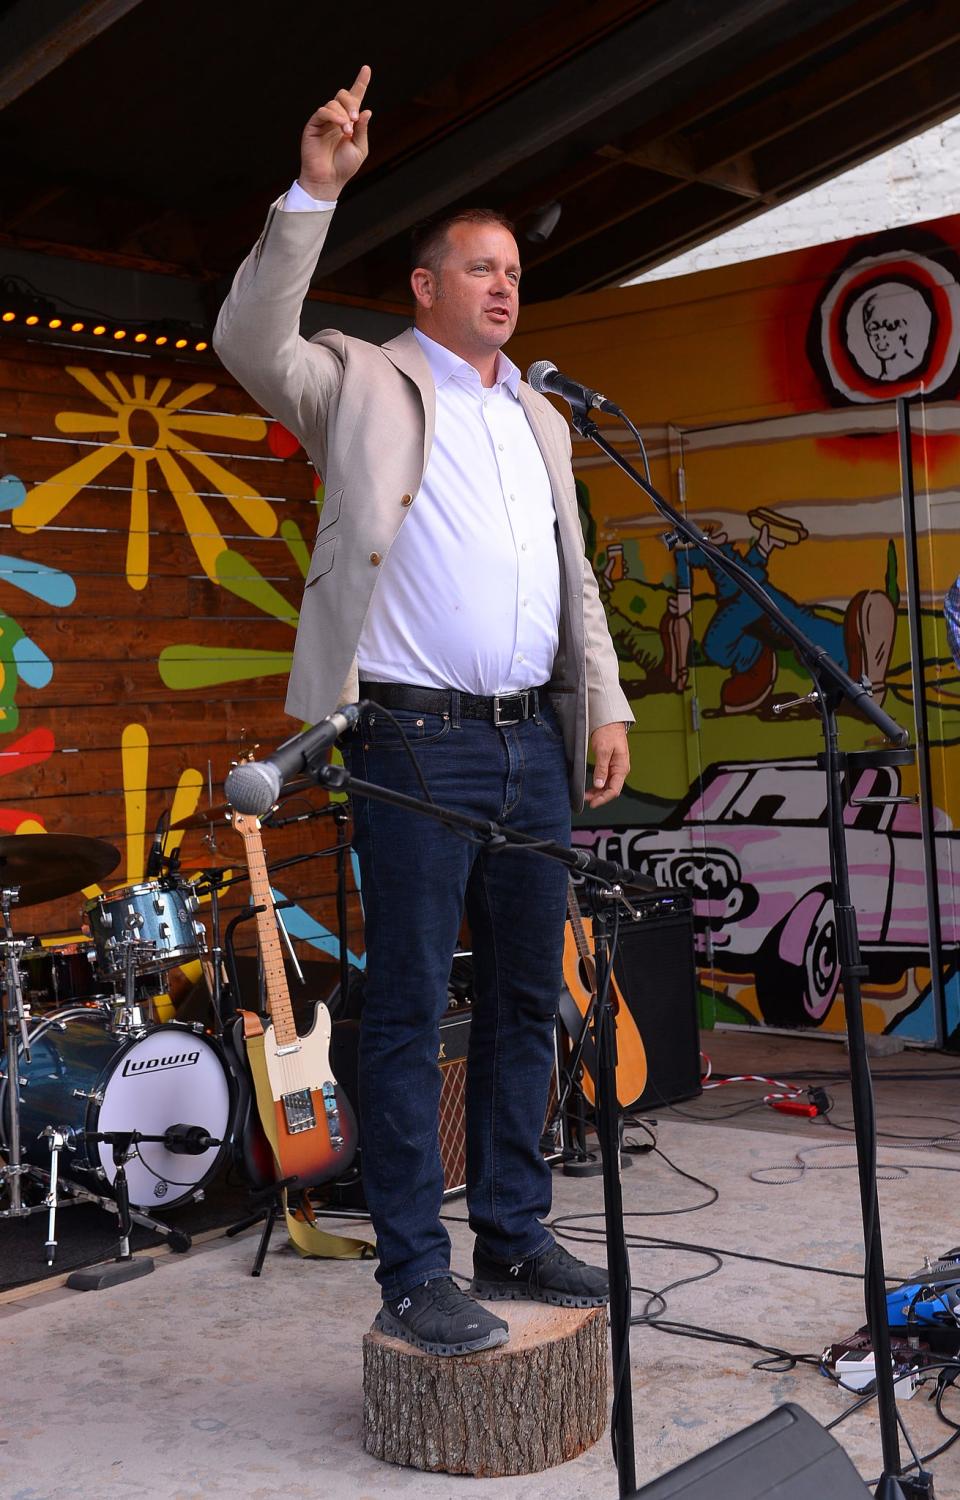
x: 22, y: 307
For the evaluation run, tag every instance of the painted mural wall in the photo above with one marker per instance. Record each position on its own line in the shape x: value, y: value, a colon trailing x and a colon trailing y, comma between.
x: 765, y: 395
x: 155, y: 530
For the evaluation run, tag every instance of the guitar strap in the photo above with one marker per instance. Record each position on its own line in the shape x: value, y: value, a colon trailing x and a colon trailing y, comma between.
x: 307, y: 1238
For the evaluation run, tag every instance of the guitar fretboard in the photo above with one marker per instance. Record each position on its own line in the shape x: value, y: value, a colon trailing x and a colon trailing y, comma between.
x: 576, y: 921
x: 271, y: 950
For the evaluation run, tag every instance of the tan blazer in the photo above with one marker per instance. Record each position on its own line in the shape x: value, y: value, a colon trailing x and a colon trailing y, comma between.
x: 365, y: 414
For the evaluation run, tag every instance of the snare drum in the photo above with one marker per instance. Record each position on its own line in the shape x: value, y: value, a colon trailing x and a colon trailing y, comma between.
x: 156, y: 912
x: 82, y: 1076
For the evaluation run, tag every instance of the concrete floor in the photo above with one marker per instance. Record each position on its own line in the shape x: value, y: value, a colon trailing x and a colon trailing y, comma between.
x: 199, y: 1381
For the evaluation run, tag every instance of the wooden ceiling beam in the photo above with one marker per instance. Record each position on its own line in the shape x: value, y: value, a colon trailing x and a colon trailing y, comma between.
x: 36, y: 38
x: 659, y: 44
x: 674, y: 159
x: 878, y: 60
x: 842, y: 24
x: 693, y: 212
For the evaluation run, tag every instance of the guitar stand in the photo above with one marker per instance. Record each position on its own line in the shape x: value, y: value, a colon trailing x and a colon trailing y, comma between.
x: 267, y: 1205
x: 581, y: 1162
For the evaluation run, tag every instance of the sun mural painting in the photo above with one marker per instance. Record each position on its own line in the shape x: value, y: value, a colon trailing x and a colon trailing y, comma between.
x: 154, y: 432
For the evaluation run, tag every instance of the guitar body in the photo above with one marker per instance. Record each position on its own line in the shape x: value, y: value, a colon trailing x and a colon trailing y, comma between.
x: 312, y: 1122
x: 581, y: 980
x: 316, y: 1129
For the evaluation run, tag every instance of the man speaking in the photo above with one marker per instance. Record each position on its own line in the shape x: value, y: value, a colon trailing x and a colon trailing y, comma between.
x: 448, y: 584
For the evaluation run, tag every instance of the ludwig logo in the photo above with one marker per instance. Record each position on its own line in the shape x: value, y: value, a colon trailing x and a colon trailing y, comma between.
x: 135, y: 1065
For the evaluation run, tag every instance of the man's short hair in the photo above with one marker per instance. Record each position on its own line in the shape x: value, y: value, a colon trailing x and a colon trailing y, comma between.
x: 429, y: 239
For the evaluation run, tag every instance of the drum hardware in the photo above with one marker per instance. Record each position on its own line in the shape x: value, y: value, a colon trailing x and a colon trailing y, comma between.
x: 16, y: 1039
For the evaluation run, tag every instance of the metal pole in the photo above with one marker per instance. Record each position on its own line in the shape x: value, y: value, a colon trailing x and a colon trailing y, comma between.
x: 927, y: 831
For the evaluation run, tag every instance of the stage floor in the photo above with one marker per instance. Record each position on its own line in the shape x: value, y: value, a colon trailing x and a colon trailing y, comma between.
x: 199, y: 1381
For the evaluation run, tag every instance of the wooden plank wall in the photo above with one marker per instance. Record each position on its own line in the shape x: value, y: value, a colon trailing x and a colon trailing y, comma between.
x: 154, y: 530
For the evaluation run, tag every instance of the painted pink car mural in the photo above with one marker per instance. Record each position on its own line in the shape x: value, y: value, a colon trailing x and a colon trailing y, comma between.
x: 750, y: 842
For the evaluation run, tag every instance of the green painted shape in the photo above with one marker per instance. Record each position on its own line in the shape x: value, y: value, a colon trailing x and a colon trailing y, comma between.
x: 185, y: 667
x: 719, y: 1010
x: 299, y: 550
x: 240, y: 577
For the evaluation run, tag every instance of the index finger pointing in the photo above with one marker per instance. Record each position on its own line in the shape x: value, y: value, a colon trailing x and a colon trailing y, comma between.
x: 359, y: 85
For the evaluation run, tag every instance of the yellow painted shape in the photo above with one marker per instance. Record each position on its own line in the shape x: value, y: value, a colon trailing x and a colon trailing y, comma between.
x: 134, y: 755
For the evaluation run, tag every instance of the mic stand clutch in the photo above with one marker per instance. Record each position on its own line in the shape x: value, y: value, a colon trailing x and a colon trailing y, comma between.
x: 831, y: 686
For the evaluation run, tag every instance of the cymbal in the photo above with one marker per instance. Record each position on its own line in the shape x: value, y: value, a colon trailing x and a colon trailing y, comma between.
x: 48, y: 865
x: 219, y: 811
x: 204, y: 815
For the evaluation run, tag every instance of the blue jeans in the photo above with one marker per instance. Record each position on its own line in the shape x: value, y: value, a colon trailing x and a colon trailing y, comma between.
x: 417, y: 879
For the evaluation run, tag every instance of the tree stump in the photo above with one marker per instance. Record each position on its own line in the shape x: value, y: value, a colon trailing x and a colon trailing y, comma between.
x: 536, y: 1401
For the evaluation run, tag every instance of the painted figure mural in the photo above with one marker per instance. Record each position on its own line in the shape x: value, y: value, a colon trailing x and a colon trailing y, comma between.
x: 766, y: 397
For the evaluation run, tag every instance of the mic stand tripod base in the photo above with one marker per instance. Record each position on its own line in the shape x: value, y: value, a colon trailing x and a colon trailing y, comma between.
x: 124, y: 1268
x: 112, y: 1273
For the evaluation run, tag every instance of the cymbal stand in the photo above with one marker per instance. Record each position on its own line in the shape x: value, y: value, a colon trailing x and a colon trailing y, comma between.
x: 15, y: 1037
x: 56, y: 1140
x: 211, y: 881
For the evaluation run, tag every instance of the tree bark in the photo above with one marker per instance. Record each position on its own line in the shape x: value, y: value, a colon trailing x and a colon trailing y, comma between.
x: 536, y: 1401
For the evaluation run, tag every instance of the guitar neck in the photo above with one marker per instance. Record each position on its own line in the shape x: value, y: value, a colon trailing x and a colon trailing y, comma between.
x: 271, y: 951
x: 576, y: 921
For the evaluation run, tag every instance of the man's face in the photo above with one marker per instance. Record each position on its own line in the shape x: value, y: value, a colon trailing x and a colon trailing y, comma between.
x: 472, y: 306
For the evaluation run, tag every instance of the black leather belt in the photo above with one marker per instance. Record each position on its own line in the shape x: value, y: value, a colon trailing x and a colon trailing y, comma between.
x: 501, y: 708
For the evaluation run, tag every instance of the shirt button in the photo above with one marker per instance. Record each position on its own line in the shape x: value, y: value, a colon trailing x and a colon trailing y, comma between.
x: 513, y: 497
x: 376, y: 559
x: 406, y: 499
x: 500, y: 447
x: 523, y: 546
x: 519, y: 656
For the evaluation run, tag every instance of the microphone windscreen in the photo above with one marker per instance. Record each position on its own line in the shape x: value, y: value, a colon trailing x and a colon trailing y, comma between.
x: 537, y: 371
x: 253, y: 787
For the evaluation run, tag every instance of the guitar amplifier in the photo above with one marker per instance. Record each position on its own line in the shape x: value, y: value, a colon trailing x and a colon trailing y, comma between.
x: 454, y: 1040
x: 454, y: 1043
x: 655, y: 968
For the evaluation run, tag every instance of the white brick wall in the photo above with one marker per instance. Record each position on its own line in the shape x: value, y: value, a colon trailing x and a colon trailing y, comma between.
x: 917, y: 180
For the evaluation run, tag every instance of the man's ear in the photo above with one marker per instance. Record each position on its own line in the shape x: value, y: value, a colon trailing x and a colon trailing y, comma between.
x: 424, y: 286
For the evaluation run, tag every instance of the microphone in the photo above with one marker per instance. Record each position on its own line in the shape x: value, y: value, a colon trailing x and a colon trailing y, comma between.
x: 544, y: 376
x: 188, y: 1140
x: 255, y: 786
x: 154, y: 864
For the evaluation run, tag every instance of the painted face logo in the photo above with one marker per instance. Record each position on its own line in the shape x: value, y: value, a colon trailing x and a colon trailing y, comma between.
x: 137, y: 1065
x: 888, y: 325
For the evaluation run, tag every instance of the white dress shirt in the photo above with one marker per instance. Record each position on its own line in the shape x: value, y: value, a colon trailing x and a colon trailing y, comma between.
x: 468, y: 596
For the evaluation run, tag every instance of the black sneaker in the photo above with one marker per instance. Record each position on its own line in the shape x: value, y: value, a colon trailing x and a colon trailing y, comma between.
x: 554, y: 1276
x: 440, y: 1319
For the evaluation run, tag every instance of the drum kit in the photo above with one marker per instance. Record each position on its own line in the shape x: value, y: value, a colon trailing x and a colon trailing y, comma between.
x: 99, y: 1098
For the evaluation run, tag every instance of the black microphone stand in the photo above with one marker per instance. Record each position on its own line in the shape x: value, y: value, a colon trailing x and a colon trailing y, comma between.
x: 831, y: 686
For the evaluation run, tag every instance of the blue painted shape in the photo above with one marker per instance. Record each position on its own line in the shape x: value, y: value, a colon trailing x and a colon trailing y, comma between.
x: 13, y: 492
x: 918, y: 1023
x: 33, y: 664
x: 48, y: 584
x: 300, y: 924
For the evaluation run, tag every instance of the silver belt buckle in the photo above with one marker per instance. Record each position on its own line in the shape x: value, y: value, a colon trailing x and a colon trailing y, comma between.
x: 524, y: 697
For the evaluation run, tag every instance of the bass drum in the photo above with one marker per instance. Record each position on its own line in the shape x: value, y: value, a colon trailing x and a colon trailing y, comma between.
x: 83, y: 1076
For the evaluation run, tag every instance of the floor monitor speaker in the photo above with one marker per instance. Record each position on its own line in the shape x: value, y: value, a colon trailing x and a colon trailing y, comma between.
x: 787, y: 1455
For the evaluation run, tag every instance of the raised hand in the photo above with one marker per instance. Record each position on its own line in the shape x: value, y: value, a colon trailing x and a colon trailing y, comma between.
x: 334, y: 144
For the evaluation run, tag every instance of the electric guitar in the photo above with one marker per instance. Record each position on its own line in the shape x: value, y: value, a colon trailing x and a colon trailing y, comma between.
x: 580, y: 976
x: 316, y: 1130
